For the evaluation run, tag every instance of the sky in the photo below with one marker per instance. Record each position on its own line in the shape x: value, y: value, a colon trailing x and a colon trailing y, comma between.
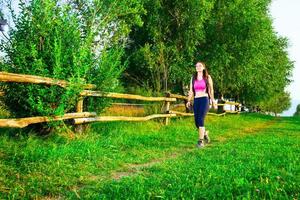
x: 286, y: 22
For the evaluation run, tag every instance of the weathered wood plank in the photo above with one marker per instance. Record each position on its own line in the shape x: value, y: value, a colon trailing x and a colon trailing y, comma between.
x: 167, y: 109
x: 232, y: 112
x: 124, y: 96
x: 79, y: 108
x: 177, y: 96
x: 23, y: 122
x: 23, y: 78
x: 192, y: 114
x: 181, y: 113
x: 120, y: 118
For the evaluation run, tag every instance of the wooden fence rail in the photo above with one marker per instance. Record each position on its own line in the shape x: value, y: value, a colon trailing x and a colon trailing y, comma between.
x: 121, y: 118
x: 124, y: 96
x: 23, y: 122
x: 177, y: 96
x: 81, y: 117
x: 23, y: 78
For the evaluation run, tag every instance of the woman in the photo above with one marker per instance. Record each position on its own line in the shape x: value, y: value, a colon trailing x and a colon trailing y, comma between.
x: 201, y: 88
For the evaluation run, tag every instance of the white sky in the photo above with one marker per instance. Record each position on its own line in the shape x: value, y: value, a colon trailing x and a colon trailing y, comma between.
x: 286, y: 21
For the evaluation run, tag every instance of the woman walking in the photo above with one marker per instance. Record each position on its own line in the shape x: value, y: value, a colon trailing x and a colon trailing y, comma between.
x: 201, y: 88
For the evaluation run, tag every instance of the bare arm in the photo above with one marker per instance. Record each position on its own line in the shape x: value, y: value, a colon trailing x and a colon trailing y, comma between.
x: 190, y: 91
x: 190, y: 95
x: 211, y: 89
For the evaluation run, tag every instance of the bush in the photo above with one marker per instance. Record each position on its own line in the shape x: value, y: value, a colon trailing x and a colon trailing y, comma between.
x: 56, y: 40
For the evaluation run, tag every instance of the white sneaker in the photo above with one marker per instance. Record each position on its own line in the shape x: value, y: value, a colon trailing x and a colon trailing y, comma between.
x: 206, y: 137
x: 200, y: 144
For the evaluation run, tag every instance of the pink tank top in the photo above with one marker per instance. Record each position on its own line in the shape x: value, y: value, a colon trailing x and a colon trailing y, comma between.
x: 200, y: 85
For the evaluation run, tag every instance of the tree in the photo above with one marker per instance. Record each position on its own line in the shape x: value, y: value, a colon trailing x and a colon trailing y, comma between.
x: 246, y: 58
x: 161, y: 52
x: 80, y: 42
x: 277, y: 104
x: 297, y: 113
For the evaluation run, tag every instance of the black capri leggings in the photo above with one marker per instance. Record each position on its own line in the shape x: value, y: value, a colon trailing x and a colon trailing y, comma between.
x: 201, y: 107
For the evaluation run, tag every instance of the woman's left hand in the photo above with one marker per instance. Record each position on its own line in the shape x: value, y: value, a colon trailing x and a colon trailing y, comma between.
x: 214, y: 105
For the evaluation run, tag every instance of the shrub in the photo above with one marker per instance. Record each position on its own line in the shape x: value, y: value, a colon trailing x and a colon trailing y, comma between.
x: 56, y: 40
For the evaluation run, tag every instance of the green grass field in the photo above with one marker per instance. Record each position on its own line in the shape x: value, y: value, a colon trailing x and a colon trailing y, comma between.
x: 250, y: 157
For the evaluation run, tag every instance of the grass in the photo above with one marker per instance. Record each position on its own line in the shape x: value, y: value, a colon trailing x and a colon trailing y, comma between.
x: 116, y: 110
x: 250, y: 157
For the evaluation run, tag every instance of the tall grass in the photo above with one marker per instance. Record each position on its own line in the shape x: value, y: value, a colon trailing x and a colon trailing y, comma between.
x: 4, y: 113
x: 260, y: 166
x: 251, y: 156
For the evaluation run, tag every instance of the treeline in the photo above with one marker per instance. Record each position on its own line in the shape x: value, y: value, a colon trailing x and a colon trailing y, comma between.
x: 142, y: 46
x: 246, y: 58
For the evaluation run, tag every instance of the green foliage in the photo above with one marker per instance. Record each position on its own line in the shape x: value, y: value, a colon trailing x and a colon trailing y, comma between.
x: 3, y: 110
x: 162, y: 51
x: 297, y: 113
x: 40, y: 46
x: 277, y: 103
x: 156, y: 161
x: 1, y: 11
x: 149, y: 107
x: 246, y: 58
x: 80, y: 42
x: 244, y: 55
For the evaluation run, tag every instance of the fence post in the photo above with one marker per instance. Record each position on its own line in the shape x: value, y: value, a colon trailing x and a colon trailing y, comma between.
x: 79, y: 108
x: 167, y: 111
x: 167, y: 108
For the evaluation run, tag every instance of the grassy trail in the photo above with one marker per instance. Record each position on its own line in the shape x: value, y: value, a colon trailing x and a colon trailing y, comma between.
x: 133, y: 169
x: 251, y: 156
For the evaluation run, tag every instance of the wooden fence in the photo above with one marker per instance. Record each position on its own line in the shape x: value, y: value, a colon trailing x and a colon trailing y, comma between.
x: 81, y: 117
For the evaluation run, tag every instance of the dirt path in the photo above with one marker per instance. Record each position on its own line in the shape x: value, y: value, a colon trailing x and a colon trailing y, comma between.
x: 135, y: 169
